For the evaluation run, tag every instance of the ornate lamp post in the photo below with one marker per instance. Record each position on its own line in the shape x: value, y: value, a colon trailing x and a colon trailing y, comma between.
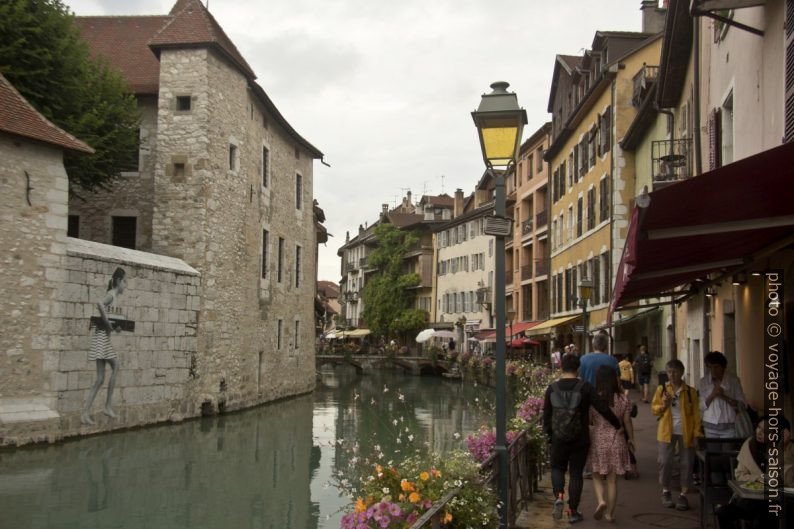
x: 585, y: 292
x: 500, y: 122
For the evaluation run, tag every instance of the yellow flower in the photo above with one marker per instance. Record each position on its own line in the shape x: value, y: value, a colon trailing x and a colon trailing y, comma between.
x: 414, y: 497
x: 406, y: 485
x: 447, y: 518
x: 378, y: 469
x: 360, y: 505
x: 424, y: 476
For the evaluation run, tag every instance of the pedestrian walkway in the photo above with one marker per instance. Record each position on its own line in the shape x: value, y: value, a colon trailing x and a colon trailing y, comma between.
x: 639, y: 500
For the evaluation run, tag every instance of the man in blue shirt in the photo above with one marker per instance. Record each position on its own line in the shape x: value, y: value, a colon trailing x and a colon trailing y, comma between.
x: 599, y: 357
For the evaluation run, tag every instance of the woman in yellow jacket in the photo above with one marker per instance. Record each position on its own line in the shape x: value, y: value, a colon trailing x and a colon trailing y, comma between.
x: 677, y: 407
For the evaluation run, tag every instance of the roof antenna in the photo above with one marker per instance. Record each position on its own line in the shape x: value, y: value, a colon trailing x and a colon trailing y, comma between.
x: 442, y: 183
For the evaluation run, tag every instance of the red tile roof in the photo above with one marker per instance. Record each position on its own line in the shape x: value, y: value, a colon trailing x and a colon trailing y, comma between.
x: 192, y: 25
x: 132, y: 43
x: 123, y: 42
x: 18, y: 117
x: 439, y: 200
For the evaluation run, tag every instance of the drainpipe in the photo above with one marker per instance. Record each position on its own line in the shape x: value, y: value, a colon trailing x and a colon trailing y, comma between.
x: 670, y: 113
x: 696, y: 96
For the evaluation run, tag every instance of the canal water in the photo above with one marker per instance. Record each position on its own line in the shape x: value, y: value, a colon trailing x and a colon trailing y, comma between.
x: 276, y: 466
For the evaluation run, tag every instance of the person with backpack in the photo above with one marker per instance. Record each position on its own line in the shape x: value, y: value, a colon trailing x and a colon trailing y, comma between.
x: 566, y: 411
x: 642, y: 366
x: 677, y: 407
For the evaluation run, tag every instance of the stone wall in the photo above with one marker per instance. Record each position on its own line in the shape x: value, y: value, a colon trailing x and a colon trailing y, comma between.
x: 131, y: 195
x: 33, y: 189
x: 162, y: 298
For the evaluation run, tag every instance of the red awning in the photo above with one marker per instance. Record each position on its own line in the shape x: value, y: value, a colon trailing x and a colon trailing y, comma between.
x: 522, y: 342
x: 718, y: 220
x: 517, y: 328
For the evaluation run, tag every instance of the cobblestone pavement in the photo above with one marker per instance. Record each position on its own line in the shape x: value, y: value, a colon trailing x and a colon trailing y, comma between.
x: 639, y: 505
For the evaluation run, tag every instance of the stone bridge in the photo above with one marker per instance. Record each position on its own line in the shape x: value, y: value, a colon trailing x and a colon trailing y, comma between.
x: 413, y: 364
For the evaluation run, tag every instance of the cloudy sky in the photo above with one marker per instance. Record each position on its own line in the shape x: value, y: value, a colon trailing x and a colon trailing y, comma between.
x: 385, y: 88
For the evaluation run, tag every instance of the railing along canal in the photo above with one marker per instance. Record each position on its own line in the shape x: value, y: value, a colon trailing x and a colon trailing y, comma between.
x: 524, y: 470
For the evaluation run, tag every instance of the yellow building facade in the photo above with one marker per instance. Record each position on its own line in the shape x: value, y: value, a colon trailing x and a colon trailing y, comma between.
x: 592, y: 179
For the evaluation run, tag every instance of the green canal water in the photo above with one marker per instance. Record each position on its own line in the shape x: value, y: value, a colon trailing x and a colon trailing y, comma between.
x: 272, y: 467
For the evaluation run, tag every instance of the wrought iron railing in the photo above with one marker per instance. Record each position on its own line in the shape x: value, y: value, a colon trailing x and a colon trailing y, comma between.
x: 542, y: 219
x: 541, y: 267
x: 523, y: 475
x: 526, y: 227
x: 526, y: 272
x: 671, y: 160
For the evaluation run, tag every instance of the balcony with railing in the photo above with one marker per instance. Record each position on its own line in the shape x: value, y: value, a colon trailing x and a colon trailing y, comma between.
x: 643, y: 81
x: 526, y: 272
x: 508, y: 277
x: 542, y: 219
x: 526, y: 228
x: 671, y: 161
x: 541, y: 267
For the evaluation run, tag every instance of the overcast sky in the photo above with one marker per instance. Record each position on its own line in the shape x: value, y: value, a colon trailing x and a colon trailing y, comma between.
x: 385, y: 88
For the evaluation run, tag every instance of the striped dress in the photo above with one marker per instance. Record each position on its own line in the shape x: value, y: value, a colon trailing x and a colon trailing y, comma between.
x: 101, y: 348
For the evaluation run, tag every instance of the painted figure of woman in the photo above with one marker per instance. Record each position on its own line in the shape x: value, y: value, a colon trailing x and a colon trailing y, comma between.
x: 102, y: 350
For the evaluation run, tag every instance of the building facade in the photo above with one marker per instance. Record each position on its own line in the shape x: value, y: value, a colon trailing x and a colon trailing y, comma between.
x: 528, y: 191
x: 224, y: 183
x: 592, y: 180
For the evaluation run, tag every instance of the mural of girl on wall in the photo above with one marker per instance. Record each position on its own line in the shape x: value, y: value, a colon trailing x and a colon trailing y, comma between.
x: 101, y: 349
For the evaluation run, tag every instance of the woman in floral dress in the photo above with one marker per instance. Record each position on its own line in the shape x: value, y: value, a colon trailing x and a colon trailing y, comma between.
x: 609, y: 454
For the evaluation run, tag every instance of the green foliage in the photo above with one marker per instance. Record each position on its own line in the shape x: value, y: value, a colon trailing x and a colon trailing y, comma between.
x: 44, y: 57
x: 388, y: 298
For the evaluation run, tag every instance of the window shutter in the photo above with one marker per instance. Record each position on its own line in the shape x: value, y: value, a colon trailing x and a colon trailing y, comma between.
x: 789, y: 76
x: 600, y: 136
x: 606, y: 130
x: 715, y: 142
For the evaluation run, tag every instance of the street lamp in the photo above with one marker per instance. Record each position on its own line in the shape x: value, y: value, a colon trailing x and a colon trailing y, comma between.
x: 510, y: 314
x: 500, y: 122
x: 585, y: 292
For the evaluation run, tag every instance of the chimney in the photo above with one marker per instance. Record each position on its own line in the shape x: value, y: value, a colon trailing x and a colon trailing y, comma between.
x: 458, y: 204
x: 360, y: 229
x: 347, y: 237
x: 653, y: 16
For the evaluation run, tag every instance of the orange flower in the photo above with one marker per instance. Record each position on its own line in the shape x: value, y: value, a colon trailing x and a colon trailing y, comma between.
x: 378, y: 469
x: 435, y: 473
x: 360, y: 505
x: 401, y: 497
x: 414, y: 497
x: 447, y: 518
x: 424, y: 476
x: 406, y: 485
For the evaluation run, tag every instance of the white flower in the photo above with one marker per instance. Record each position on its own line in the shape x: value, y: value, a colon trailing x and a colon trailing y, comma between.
x: 410, y: 437
x: 377, y: 448
x: 401, y: 397
x: 372, y: 402
x: 385, y: 389
x: 456, y: 435
x: 398, y: 440
x: 355, y: 395
x: 458, y: 483
x: 371, y: 478
x: 394, y: 422
x: 385, y: 490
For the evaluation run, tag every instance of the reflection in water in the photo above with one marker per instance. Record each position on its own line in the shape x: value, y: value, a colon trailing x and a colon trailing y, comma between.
x: 263, y: 468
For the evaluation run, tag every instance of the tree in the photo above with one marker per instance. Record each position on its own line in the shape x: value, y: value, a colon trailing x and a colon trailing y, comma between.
x: 44, y: 57
x: 388, y: 298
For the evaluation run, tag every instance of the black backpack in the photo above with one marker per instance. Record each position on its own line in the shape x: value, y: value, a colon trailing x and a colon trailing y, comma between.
x: 644, y: 364
x: 566, y: 414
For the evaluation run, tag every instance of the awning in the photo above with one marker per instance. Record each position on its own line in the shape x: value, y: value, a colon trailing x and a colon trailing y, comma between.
x: 358, y: 333
x: 627, y: 319
x: 517, y: 328
x: 522, y: 342
x: 548, y: 325
x: 718, y: 220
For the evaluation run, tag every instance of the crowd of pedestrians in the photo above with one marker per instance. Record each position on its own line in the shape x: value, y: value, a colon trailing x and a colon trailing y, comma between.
x: 587, y: 419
